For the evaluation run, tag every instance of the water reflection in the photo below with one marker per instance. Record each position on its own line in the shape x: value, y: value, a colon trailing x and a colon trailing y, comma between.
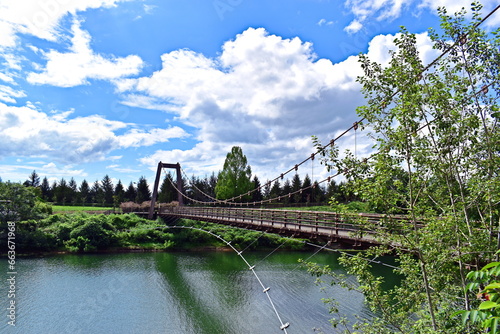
x: 175, y: 293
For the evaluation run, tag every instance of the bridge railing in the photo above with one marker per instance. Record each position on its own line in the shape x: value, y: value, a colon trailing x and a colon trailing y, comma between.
x: 320, y: 222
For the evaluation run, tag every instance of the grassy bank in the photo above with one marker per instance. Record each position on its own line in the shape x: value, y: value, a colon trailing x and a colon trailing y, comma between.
x: 83, y: 232
x: 70, y: 209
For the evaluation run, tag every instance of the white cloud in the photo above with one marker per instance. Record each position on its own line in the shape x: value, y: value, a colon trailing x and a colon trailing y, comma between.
x: 263, y: 93
x: 138, y: 138
x: 8, y: 94
x: 81, y: 63
x: 51, y: 171
x: 28, y: 132
x: 40, y: 18
x: 6, y: 78
x: 383, y: 10
x: 353, y: 27
x: 324, y: 22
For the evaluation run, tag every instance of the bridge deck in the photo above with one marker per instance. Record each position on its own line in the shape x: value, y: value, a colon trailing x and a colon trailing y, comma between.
x: 331, y: 226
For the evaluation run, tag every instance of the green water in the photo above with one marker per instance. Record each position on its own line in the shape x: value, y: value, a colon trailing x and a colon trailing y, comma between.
x: 174, y: 293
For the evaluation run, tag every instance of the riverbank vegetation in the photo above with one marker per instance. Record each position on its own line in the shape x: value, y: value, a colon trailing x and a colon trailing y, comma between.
x: 38, y: 231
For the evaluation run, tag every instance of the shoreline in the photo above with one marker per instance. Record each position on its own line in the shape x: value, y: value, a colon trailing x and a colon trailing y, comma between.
x: 123, y: 250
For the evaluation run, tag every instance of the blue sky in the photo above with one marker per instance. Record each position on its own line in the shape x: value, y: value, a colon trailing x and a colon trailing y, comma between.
x: 97, y: 87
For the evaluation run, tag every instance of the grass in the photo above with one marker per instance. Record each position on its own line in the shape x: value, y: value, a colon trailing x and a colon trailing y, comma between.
x: 68, y: 208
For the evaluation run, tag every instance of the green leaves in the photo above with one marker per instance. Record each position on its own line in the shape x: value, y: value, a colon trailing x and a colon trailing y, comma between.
x: 437, y: 140
x: 488, y: 305
x: 234, y: 179
x: 488, y: 312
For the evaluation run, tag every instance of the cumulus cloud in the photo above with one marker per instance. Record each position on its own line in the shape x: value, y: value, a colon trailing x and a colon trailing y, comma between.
x: 264, y: 93
x: 81, y: 63
x: 40, y: 18
x: 30, y: 132
x: 388, y: 10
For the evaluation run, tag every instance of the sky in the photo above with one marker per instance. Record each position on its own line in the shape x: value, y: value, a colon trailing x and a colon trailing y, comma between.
x: 96, y: 87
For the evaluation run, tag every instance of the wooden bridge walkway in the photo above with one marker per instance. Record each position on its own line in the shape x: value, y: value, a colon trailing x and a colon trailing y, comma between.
x: 326, y: 226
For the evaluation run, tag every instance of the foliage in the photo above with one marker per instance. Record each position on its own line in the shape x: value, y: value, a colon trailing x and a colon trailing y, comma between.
x: 240, y: 238
x: 234, y: 179
x: 485, y: 283
x: 438, y: 150
x: 82, y: 232
x: 18, y: 202
x: 167, y: 191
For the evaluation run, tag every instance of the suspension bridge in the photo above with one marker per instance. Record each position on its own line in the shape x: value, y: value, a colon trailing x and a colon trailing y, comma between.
x: 340, y: 229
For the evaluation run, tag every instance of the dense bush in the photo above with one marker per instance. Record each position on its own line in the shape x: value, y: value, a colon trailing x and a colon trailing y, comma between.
x: 82, y: 232
x: 240, y: 238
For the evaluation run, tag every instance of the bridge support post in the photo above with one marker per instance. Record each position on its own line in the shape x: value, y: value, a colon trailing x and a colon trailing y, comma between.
x: 154, y: 197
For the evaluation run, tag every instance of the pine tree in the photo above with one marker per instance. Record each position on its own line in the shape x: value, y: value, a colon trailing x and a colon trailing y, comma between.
x: 45, y: 188
x: 119, y: 194
x: 131, y: 192
x: 107, y: 188
x: 84, y: 192
x: 143, y: 192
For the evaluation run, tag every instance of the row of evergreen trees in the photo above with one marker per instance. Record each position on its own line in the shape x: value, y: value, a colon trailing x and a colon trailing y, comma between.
x: 102, y: 193
x: 106, y: 193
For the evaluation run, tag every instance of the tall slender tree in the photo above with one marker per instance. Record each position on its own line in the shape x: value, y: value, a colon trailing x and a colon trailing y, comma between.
x: 143, y: 192
x: 131, y: 192
x: 167, y: 192
x: 45, y: 188
x: 33, y: 180
x: 108, y: 190
x: 257, y: 194
x: 84, y: 191
x: 119, y: 194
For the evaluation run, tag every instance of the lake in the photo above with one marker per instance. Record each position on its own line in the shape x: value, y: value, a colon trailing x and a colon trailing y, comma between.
x: 174, y: 293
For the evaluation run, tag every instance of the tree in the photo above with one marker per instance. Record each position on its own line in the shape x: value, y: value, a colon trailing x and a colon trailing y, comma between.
x: 275, y: 190
x: 119, y: 194
x: 72, y: 196
x: 234, y: 179
x: 45, y: 189
x: 62, y: 192
x: 107, y: 188
x: 212, y: 183
x: 84, y: 192
x: 266, y: 190
x: 167, y: 192
x: 287, y: 189
x: 296, y: 185
x: 143, y: 192
x: 257, y: 194
x: 33, y: 180
x: 17, y: 202
x: 131, y: 192
x: 438, y: 147
x: 96, y: 193
x: 306, y: 193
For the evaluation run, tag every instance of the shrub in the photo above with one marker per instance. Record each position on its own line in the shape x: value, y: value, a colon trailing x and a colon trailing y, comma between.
x: 128, y: 207
x: 99, y: 235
